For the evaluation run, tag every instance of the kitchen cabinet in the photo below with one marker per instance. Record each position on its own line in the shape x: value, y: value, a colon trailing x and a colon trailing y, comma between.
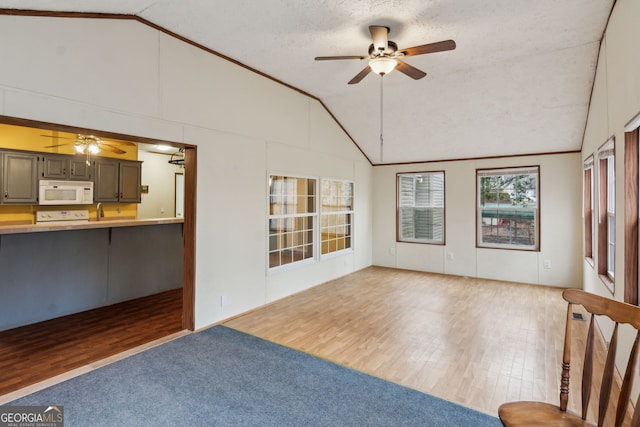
x: 117, y: 181
x: 54, y: 167
x: 63, y: 167
x: 19, y: 178
x: 79, y: 169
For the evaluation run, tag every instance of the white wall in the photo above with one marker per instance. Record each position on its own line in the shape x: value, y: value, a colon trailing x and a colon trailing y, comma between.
x: 159, y: 175
x: 560, y: 210
x: 614, y: 103
x: 122, y: 76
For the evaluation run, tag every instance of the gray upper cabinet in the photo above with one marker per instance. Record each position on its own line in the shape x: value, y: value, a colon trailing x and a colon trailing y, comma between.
x: 105, y: 180
x: 19, y: 178
x: 54, y: 167
x: 117, y: 181
x: 79, y: 170
x: 130, y: 182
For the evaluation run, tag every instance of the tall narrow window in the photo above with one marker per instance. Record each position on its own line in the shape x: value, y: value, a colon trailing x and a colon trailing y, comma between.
x: 336, y: 215
x: 607, y: 214
x: 508, y: 208
x: 421, y: 207
x: 292, y: 219
x: 587, y: 208
x: 631, y: 200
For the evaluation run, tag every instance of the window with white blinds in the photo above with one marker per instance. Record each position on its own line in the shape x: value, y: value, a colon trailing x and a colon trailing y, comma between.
x: 508, y: 208
x: 421, y: 207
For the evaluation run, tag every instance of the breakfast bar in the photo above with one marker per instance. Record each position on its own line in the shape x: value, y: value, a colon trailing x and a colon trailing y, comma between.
x: 51, y: 270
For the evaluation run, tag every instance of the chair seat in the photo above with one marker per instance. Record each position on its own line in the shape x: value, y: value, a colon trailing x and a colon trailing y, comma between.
x: 515, y: 414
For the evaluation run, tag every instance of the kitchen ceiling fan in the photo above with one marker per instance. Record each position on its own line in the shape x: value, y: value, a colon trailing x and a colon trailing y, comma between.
x: 384, y: 55
x: 91, y: 144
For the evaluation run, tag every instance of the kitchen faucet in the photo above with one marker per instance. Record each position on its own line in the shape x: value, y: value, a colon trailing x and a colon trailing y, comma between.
x: 99, y: 211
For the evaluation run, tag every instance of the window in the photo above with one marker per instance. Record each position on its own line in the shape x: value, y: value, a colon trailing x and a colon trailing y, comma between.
x: 587, y: 208
x: 631, y: 170
x: 292, y: 219
x: 336, y: 215
x: 508, y: 208
x: 607, y: 214
x: 421, y: 207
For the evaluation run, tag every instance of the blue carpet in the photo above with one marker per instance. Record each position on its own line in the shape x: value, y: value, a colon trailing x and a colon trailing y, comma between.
x: 222, y: 377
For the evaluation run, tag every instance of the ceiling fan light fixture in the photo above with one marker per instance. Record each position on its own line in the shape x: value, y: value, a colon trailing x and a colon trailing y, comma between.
x: 382, y: 65
x: 93, y: 148
x: 80, y: 147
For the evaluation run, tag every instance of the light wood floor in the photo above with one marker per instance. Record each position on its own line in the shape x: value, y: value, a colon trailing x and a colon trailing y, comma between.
x: 476, y: 342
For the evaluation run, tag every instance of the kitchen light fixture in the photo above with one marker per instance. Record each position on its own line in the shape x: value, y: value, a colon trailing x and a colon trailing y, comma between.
x: 163, y: 147
x: 87, y: 144
x: 382, y: 65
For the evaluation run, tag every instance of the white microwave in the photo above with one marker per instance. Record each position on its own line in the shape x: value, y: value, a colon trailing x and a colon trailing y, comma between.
x: 65, y: 192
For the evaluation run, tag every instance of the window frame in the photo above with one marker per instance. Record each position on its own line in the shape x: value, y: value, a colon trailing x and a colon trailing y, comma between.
x: 442, y: 209
x: 588, y: 209
x: 327, y: 212
x: 508, y: 171
x: 313, y: 232
x: 606, y: 214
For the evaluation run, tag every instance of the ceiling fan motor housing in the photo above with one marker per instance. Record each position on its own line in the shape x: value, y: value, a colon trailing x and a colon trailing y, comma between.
x: 391, y: 49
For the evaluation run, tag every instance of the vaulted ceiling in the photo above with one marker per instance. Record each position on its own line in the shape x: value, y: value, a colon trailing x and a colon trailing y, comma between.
x: 518, y: 82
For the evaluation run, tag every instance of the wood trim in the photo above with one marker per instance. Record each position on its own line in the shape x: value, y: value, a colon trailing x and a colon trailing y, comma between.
x: 463, y: 159
x: 602, y: 217
x: 587, y: 200
x: 189, y: 238
x: 631, y: 217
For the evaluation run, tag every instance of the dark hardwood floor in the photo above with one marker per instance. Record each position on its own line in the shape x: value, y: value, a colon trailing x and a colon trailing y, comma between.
x: 33, y: 353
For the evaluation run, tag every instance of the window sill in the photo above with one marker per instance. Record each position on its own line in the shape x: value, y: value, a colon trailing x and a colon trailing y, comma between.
x: 607, y: 282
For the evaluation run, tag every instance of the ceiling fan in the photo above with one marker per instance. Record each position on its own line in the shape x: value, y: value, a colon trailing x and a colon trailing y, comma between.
x: 91, y: 144
x: 384, y: 55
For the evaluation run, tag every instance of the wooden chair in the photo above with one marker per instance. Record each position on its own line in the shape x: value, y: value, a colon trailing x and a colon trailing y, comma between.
x: 545, y: 414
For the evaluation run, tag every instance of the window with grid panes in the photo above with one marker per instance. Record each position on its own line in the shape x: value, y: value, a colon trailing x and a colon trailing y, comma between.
x: 292, y: 219
x: 508, y: 208
x: 587, y: 207
x: 421, y: 207
x: 336, y: 215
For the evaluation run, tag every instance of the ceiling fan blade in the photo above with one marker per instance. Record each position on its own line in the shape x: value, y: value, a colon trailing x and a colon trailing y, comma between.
x: 56, y: 145
x: 429, y: 48
x: 118, y: 142
x: 410, y: 70
x: 54, y: 136
x: 361, y: 75
x: 331, y: 58
x: 108, y: 147
x: 380, y: 37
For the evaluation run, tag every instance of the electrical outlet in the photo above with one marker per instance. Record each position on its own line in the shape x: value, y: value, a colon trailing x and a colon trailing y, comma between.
x: 224, y: 301
x: 547, y: 264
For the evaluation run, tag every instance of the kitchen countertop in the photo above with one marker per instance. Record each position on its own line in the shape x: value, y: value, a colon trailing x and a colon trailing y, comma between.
x: 106, y: 223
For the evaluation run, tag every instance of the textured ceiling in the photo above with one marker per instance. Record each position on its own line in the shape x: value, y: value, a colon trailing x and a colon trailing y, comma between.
x: 519, y: 81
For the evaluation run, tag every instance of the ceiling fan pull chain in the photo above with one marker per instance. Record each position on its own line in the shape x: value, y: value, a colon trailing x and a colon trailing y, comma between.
x: 381, y: 119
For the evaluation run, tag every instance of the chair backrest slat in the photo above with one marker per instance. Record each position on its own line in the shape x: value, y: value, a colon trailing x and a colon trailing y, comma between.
x: 587, y: 369
x: 566, y: 362
x: 607, y: 376
x: 627, y: 382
